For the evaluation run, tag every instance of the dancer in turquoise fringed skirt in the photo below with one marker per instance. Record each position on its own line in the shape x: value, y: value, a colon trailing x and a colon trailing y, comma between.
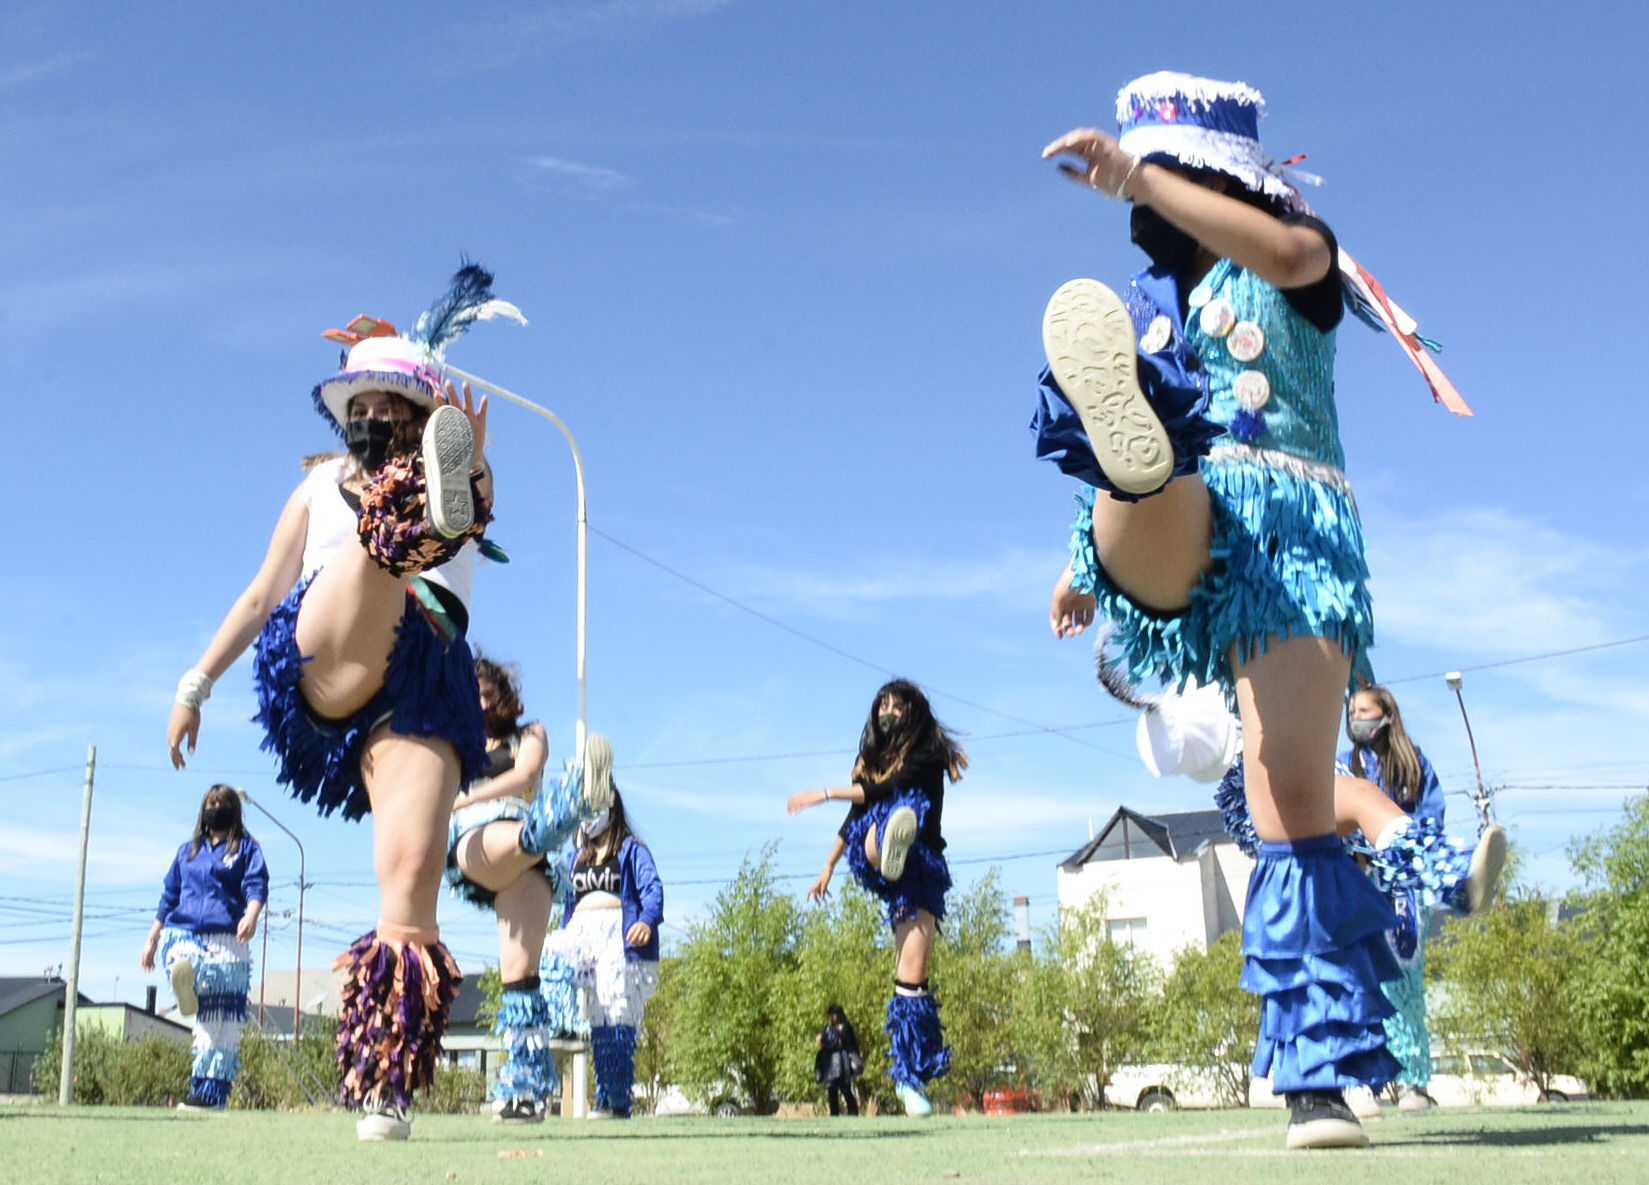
x: 894, y: 844
x: 496, y: 861
x: 1218, y: 539
x: 214, y: 891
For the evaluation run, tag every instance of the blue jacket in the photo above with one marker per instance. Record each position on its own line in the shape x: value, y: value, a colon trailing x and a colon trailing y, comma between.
x: 641, y: 892
x: 212, y: 890
x: 1430, y: 803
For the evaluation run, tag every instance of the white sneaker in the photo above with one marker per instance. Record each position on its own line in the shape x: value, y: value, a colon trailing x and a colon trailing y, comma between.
x: 916, y: 1103
x: 1414, y: 1099
x: 183, y: 987
x: 383, y: 1121
x: 598, y: 774
x: 448, y: 449
x: 1092, y: 351
x: 1364, y: 1103
x: 1488, y: 858
x: 898, y: 833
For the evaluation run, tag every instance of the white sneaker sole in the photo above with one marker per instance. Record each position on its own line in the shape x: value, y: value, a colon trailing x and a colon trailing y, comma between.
x: 1327, y: 1133
x: 897, y: 838
x: 183, y: 987
x: 377, y: 1129
x: 1484, y: 873
x: 1414, y: 1103
x: 1091, y: 348
x: 449, y: 449
x: 598, y: 774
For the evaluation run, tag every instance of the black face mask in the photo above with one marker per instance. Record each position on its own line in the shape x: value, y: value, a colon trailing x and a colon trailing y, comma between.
x: 368, y: 441
x: 1168, y: 246
x: 218, y: 818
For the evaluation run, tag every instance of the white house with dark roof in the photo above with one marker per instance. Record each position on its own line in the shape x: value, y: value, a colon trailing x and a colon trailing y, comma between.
x: 1171, y: 880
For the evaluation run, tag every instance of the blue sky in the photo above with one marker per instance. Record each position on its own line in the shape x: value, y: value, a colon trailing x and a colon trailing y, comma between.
x: 785, y: 266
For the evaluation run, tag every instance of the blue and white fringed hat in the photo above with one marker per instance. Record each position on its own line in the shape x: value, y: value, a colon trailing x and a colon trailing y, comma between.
x: 1201, y: 123
x: 379, y: 359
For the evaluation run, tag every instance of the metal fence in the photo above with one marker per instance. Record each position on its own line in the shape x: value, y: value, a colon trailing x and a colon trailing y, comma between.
x: 15, y: 1069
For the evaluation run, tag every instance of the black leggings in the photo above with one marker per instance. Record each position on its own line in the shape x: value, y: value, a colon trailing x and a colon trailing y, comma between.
x: 842, y: 1088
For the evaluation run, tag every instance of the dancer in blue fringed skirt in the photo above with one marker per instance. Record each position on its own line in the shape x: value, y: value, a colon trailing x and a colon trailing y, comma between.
x: 209, y: 906
x: 1217, y: 535
x: 894, y: 844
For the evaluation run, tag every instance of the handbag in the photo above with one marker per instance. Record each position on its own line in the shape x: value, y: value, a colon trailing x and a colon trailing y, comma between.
x: 855, y: 1063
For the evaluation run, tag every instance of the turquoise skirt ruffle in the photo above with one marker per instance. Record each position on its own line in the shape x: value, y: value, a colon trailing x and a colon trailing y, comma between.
x: 1287, y: 550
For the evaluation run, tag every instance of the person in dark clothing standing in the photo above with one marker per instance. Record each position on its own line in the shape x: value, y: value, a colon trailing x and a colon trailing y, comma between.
x: 838, y: 1061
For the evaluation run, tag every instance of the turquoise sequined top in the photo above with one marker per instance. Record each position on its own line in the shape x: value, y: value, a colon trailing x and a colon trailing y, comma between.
x: 1295, y: 364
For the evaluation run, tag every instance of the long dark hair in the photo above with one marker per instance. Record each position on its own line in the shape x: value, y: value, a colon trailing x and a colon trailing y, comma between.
x: 503, y: 719
x: 916, y: 735
x: 609, y: 841
x: 219, y: 795
x: 1399, y: 759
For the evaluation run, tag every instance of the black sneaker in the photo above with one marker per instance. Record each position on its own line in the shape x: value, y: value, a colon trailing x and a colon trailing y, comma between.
x: 193, y: 1102
x: 519, y: 1111
x: 1321, y: 1119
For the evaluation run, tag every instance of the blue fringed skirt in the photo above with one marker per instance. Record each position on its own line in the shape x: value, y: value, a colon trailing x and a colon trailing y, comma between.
x: 1287, y: 550
x: 473, y: 817
x: 926, y: 878
x: 429, y: 690
x: 1315, y: 951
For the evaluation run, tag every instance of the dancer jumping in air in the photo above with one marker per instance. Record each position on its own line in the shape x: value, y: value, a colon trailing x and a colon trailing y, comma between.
x: 209, y: 906
x: 366, y: 686
x: 895, y: 846
x: 495, y: 861
x: 1220, y: 541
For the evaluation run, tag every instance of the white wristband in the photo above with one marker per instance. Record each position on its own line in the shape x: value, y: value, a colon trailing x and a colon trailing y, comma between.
x: 1133, y: 167
x: 194, y: 689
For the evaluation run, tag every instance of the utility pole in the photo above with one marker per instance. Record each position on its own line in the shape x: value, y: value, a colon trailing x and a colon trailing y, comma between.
x: 71, y: 990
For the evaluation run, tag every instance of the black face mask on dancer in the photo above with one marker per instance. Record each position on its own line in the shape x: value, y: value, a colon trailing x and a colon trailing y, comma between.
x: 1168, y: 246
x: 218, y: 818
x: 368, y: 441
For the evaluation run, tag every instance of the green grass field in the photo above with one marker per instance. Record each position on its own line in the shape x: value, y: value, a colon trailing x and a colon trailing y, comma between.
x: 1593, y: 1143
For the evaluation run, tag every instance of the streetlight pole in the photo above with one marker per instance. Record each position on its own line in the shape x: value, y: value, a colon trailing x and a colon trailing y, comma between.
x: 297, y: 992
x: 583, y: 527
x: 1482, y: 799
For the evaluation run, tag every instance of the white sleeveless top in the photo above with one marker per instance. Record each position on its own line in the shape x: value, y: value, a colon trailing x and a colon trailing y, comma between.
x: 332, y: 524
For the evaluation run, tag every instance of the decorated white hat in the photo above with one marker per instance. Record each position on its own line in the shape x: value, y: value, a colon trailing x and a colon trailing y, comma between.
x: 1193, y: 733
x: 379, y: 359
x: 1201, y: 123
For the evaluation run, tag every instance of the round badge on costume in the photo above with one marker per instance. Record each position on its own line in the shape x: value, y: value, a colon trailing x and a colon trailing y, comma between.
x: 1247, y: 341
x: 1199, y: 297
x: 1217, y: 317
x: 1157, y: 334
x: 1251, y: 389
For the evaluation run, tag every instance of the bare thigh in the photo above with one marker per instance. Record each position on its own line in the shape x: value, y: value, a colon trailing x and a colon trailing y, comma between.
x: 524, y: 910
x: 912, y: 943
x: 1156, y: 550
x: 346, y: 629
x: 1291, y: 698
x: 412, y: 783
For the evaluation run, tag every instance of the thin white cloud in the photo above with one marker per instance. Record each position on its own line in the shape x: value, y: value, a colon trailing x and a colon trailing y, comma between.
x: 16, y: 77
x: 590, y: 178
x: 524, y: 35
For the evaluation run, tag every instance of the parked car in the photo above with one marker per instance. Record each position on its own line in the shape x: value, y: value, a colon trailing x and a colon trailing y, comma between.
x: 1164, y: 1086
x: 672, y: 1100
x: 1483, y: 1078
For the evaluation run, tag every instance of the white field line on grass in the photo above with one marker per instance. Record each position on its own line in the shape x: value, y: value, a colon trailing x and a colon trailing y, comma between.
x: 1220, y: 1137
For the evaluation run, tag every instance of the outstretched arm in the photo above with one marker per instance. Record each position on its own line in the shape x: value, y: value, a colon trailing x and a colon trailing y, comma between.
x: 1283, y: 255
x: 803, y: 799
x: 280, y: 570
x: 820, y: 889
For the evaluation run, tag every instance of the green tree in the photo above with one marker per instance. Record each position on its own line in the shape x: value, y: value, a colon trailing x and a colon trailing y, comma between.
x: 655, y: 1041
x: 1509, y: 977
x: 1205, y: 1021
x: 735, y: 964
x: 1613, y: 987
x: 1082, y: 1005
x: 844, y: 955
x: 973, y: 977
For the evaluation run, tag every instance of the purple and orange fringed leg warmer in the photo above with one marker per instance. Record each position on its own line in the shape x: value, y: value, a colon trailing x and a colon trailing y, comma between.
x: 399, y: 984
x: 394, y: 525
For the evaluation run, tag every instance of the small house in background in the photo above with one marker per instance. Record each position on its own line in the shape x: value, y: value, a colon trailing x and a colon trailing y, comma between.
x: 31, y: 1011
x: 1170, y: 881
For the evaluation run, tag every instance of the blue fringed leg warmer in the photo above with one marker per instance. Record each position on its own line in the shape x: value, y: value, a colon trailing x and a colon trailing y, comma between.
x: 919, y: 1053
x: 1315, y: 951
x: 522, y: 1024
x: 1421, y: 858
x: 555, y: 813
x: 613, y: 1049
x: 559, y: 987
